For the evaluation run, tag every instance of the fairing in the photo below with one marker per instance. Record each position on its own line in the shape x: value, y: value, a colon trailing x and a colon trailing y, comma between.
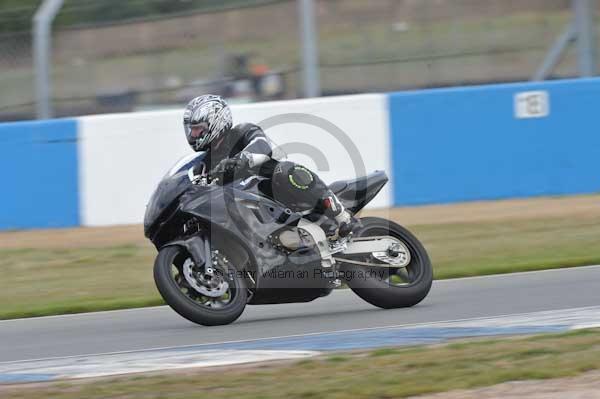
x: 173, y: 184
x: 357, y: 193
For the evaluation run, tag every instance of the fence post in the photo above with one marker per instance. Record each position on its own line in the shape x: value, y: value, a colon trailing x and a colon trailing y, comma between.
x: 42, y: 43
x: 580, y: 29
x: 310, y: 49
x: 556, y: 53
x: 583, y: 11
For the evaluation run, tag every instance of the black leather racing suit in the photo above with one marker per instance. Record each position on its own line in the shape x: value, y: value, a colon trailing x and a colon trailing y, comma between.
x: 250, y: 151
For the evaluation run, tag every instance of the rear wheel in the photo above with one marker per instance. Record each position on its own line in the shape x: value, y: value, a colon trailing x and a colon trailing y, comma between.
x: 389, y: 287
x: 210, y: 298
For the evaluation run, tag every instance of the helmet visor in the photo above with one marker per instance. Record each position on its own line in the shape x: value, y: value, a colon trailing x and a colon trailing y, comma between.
x: 198, y: 131
x: 197, y: 134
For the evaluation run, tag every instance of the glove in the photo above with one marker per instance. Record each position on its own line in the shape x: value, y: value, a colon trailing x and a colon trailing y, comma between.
x: 227, y: 167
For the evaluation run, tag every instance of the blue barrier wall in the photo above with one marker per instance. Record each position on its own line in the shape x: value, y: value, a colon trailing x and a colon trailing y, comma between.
x: 38, y: 165
x: 467, y: 144
x: 447, y: 145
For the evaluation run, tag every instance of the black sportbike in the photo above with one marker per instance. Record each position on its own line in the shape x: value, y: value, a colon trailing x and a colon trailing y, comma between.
x: 223, y: 246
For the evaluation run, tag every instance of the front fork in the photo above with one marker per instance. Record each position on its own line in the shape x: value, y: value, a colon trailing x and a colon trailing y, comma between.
x: 199, y: 248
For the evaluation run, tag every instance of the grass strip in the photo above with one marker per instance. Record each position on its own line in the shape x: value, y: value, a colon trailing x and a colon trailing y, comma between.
x: 383, y: 373
x: 40, y: 282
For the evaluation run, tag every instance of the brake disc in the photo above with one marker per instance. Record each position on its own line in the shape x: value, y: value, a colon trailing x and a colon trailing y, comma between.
x: 213, y: 287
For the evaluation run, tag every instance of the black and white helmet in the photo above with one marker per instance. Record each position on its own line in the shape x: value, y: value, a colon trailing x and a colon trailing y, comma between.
x: 205, y: 118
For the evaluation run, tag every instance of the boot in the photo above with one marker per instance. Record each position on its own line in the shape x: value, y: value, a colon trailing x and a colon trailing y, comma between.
x: 335, y: 210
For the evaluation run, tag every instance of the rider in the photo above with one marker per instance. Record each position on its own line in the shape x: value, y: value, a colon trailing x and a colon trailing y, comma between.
x: 245, y: 150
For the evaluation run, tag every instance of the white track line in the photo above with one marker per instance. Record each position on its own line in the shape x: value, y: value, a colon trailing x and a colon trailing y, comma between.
x: 101, y: 366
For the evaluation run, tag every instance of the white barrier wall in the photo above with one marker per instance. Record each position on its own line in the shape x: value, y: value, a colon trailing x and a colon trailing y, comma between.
x: 122, y: 157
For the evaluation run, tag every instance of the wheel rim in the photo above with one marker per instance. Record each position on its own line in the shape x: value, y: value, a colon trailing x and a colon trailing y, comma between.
x: 402, y: 276
x: 221, y: 270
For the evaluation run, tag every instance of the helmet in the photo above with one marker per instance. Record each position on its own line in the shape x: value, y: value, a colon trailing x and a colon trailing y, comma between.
x: 205, y: 118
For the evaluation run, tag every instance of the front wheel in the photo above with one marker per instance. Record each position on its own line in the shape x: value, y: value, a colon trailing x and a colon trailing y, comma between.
x: 211, y: 299
x: 388, y: 287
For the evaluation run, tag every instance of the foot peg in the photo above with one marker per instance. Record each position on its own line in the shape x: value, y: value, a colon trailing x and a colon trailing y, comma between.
x: 333, y: 231
x: 345, y: 229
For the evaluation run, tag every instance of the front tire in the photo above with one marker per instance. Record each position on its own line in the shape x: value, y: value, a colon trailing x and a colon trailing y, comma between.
x: 391, y: 288
x: 186, y: 301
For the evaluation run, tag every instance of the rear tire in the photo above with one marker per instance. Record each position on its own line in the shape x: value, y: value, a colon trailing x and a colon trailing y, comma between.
x: 187, y: 307
x: 375, y: 284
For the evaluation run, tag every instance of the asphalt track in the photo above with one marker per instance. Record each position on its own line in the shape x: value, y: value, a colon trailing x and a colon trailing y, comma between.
x: 159, y: 327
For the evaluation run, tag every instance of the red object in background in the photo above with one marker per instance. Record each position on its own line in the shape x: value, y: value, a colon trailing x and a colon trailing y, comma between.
x: 259, y: 69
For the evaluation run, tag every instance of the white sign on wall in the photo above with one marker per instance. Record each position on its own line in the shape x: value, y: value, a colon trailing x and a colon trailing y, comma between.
x: 532, y: 104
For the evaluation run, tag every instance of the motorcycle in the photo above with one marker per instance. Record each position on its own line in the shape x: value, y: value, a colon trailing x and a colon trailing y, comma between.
x: 223, y: 246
